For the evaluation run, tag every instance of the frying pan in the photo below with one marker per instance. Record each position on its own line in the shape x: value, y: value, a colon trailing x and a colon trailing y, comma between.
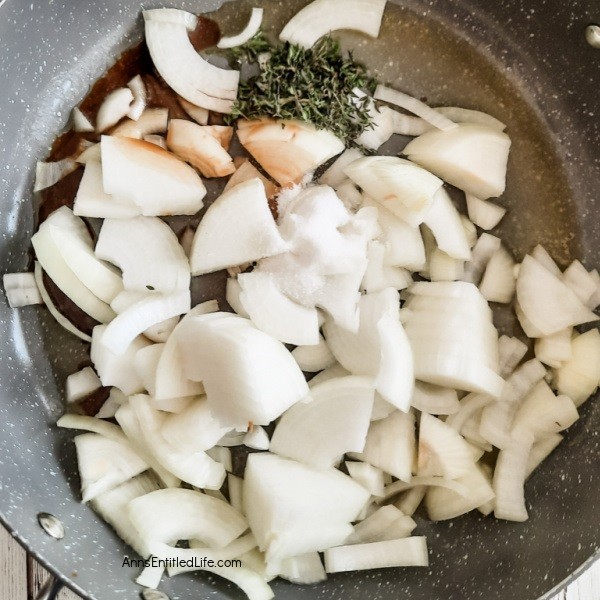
x: 525, y: 61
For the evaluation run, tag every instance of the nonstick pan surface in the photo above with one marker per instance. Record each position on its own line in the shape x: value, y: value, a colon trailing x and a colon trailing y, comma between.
x: 524, y: 61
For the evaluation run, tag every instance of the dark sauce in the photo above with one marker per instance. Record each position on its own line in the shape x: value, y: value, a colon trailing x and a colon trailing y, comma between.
x: 90, y: 405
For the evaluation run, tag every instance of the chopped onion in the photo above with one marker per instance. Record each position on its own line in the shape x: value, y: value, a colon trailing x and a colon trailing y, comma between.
x: 172, y: 15
x: 171, y: 405
x: 150, y: 577
x: 305, y: 569
x: 140, y: 98
x: 151, y: 121
x: 222, y: 454
x: 232, y: 295
x: 581, y: 282
x: 314, y: 358
x: 546, y: 301
x: 293, y: 509
x: 81, y: 123
x: 349, y: 194
x: 386, y: 523
x: 104, y: 464
x: 484, y: 213
x: 49, y: 173
x: 398, y: 487
x: 321, y: 17
x: 115, y: 106
x: 145, y: 362
x: 396, y: 184
x: 116, y: 398
x: 465, y: 115
x: 406, y: 552
x: 414, y: 106
x: 234, y: 488
x: 246, y: 34
x: 371, y: 478
x: 487, y: 245
x: 498, y: 283
x: 257, y: 438
x: 540, y: 254
x: 157, y: 140
x: 445, y: 268
x: 81, y: 384
x: 555, y: 349
x: 21, y: 289
x: 160, y: 332
x: 435, y: 400
x: 579, y: 376
x: 237, y: 228
x: 194, y: 144
x: 245, y: 171
x: 382, y: 123
x: 336, y: 370
x: 334, y: 422
x: 510, y: 352
x: 378, y: 275
x: 107, y: 430
x: 410, y: 500
x: 199, y: 114
x: 468, y: 406
x: 471, y: 157
x: 334, y: 175
x: 184, y: 70
x: 541, y: 450
x: 287, y: 150
x: 148, y: 176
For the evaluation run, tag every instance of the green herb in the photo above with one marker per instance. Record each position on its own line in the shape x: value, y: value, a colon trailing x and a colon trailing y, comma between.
x: 150, y: 287
x: 316, y: 85
x: 250, y: 51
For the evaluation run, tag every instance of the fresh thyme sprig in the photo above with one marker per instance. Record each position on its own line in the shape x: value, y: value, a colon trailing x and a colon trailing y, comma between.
x: 315, y: 85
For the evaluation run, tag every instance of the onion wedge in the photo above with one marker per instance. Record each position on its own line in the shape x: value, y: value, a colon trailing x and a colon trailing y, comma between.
x: 246, y: 34
x: 21, y: 289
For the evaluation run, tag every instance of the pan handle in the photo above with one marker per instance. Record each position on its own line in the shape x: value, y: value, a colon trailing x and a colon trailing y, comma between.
x: 50, y: 589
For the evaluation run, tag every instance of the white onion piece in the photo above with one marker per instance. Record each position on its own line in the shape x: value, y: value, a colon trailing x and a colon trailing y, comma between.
x: 386, y: 523
x: 594, y: 301
x: 540, y: 254
x: 107, y: 430
x: 222, y: 453
x: 257, y: 438
x: 484, y: 213
x: 21, y: 289
x: 288, y: 150
x: 293, y: 509
x: 444, y: 503
x: 115, y: 106
x: 233, y: 291
x: 510, y: 352
x: 509, y: 479
x: 381, y: 408
x: 175, y: 514
x: 111, y: 506
x: 405, y: 552
x: 445, y: 268
x: 466, y: 115
x: 49, y: 173
x: 170, y: 379
x: 92, y: 201
x: 581, y: 282
x: 199, y: 114
x: 382, y: 124
x: 555, y: 349
x: 81, y: 384
x: 104, y: 464
x: 371, y: 478
x: 408, y: 125
x: 334, y: 175
x: 414, y: 106
x: 80, y: 122
x: 336, y: 370
x: 172, y: 15
x: 171, y: 405
x: 147, y: 252
x: 151, y: 121
x: 234, y: 488
x: 546, y: 301
x: 390, y: 445
x: 399, y: 487
x: 378, y: 276
x: 116, y: 398
x: 540, y: 451
x: 442, y: 450
x: 246, y: 34
x: 410, y: 500
x: 435, y: 400
x: 470, y: 157
x: 245, y: 171
x: 237, y: 228
x: 140, y: 96
x: 468, y: 406
x: 321, y: 17
x: 49, y: 255
x: 333, y: 422
x: 396, y: 184
x: 486, y: 246
x: 58, y: 316
x: 349, y: 194
x: 160, y: 332
x: 192, y: 143
x: 444, y: 222
x: 150, y: 177
x: 145, y: 362
x: 274, y: 313
x: 116, y: 369
x: 498, y: 283
x: 579, y: 377
x: 305, y: 569
x: 150, y: 577
x: 157, y: 140
x: 248, y: 375
x: 314, y: 358
x: 185, y: 71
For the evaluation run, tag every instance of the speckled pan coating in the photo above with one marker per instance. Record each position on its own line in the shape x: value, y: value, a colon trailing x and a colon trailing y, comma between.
x: 525, y: 61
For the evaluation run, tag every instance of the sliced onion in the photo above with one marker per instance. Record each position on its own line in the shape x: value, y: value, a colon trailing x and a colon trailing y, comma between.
x: 305, y: 569
x: 116, y: 398
x: 184, y: 70
x: 245, y: 171
x: 581, y: 282
x: 150, y: 177
x: 510, y: 352
x: 435, y: 400
x: 293, y: 509
x: 466, y: 115
x: 82, y: 383
x: 115, y: 106
x: 406, y: 552
x: 151, y: 121
x: 555, y: 349
x: 386, y: 523
x: 172, y: 15
x: 257, y: 438
x: 323, y: 16
x: 414, y: 106
x: 396, y: 184
x: 49, y: 173
x: 470, y: 157
x: 487, y: 245
x: 540, y: 451
x: 546, y: 301
x: 234, y: 488
x: 408, y: 125
x: 157, y: 140
x: 314, y: 358
x: 222, y: 453
x: 91, y: 153
x: 468, y: 406
x: 232, y: 295
x: 484, y: 213
x: 246, y: 34
x: 150, y: 577
x: 334, y: 175
x: 540, y: 254
x: 140, y: 97
x: 371, y: 478
x: 335, y: 370
x: 161, y: 331
x: 498, y: 283
x: 21, y: 289
x: 410, y: 501
x: 107, y: 430
x: 334, y: 422
x: 445, y: 268
x: 378, y: 276
x: 382, y: 124
x: 80, y: 122
x: 399, y: 487
x: 199, y: 114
